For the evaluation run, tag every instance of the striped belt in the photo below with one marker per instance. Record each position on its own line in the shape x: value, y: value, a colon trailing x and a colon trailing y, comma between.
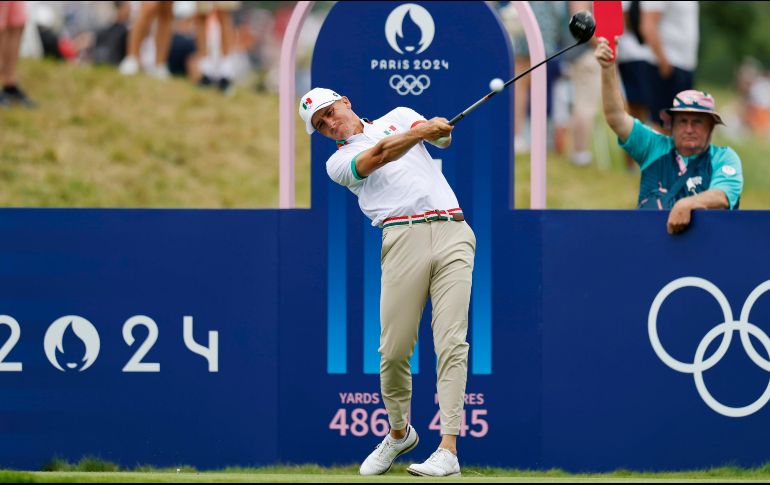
x: 429, y: 216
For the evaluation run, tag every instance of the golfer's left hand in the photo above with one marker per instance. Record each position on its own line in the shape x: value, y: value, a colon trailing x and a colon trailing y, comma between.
x: 435, y: 128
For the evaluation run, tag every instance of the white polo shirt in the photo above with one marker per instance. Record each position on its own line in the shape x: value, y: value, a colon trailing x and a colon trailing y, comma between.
x: 411, y: 185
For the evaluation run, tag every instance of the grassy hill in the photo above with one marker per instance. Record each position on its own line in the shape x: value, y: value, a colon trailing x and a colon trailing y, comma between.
x: 99, y: 139
x: 102, y: 140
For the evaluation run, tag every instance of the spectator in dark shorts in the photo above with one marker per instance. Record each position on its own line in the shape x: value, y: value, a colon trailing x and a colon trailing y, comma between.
x: 181, y: 55
x: 636, y: 65
x: 671, y: 30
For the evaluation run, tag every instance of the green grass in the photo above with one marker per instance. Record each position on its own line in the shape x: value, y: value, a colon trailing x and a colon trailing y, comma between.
x: 95, y: 470
x: 573, y: 187
x: 103, y: 140
x: 99, y: 139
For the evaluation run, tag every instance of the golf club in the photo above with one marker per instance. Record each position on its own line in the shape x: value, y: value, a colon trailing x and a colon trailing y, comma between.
x: 581, y: 26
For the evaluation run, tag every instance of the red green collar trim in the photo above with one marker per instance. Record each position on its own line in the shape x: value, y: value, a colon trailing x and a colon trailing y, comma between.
x: 342, y: 143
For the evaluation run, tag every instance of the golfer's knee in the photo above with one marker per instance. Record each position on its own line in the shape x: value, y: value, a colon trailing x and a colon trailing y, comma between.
x: 395, y: 355
x: 454, y: 351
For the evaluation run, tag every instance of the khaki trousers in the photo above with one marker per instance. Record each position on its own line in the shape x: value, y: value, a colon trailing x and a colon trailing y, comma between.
x: 436, y: 259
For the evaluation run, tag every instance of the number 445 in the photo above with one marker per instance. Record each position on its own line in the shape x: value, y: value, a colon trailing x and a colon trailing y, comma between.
x: 477, y: 419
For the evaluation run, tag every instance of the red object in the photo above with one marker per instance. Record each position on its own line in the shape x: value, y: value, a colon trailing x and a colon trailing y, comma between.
x: 609, y: 21
x: 67, y: 49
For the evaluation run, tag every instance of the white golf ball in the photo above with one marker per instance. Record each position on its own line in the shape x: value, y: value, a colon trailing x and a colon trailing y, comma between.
x: 496, y: 84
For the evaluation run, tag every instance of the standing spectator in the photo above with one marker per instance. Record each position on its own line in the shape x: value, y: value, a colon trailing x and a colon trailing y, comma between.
x: 636, y: 65
x: 148, y: 11
x: 181, y: 55
x: 584, y: 73
x: 550, y: 18
x: 219, y: 69
x: 671, y: 30
x: 12, y: 19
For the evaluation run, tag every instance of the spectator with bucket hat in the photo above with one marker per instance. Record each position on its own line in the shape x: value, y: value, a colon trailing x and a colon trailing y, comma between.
x: 681, y: 172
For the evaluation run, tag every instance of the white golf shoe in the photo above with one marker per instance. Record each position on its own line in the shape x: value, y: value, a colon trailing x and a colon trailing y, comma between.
x: 442, y: 463
x: 381, y: 459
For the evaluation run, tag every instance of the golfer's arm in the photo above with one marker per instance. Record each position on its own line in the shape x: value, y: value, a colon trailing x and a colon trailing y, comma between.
x: 612, y: 103
x: 387, y: 150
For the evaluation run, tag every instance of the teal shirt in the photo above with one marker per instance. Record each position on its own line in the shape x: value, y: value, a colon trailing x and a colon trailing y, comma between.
x: 651, y: 149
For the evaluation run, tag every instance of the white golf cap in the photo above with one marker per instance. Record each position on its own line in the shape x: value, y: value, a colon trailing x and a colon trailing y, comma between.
x: 314, y: 100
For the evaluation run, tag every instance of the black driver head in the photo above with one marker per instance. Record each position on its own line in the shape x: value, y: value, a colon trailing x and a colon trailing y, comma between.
x: 582, y: 26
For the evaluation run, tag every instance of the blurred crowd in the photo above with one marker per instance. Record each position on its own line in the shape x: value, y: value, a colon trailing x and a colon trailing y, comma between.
x: 228, y: 44
x: 753, y: 84
x: 216, y: 44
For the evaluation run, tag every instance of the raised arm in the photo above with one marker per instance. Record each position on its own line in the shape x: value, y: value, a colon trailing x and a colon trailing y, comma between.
x: 393, y: 147
x: 612, y: 100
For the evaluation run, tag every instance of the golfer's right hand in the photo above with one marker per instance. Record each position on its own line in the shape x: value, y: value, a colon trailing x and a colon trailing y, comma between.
x: 603, y: 53
x: 435, y: 128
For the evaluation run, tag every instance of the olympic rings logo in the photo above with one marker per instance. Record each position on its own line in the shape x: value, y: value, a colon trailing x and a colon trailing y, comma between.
x: 409, y: 84
x: 725, y: 329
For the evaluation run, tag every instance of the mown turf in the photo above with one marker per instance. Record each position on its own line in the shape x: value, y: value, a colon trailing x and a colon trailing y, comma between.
x: 349, y: 474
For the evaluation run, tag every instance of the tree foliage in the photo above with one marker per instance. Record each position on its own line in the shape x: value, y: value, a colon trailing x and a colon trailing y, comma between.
x: 731, y: 32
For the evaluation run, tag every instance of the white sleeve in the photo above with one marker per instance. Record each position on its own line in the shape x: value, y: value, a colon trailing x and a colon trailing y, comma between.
x: 407, y: 117
x: 341, y: 166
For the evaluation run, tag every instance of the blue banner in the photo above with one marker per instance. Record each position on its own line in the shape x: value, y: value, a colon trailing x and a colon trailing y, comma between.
x: 410, y: 54
x: 138, y: 336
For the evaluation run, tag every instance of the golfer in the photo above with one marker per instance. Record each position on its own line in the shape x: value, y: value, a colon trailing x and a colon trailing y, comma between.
x: 427, y: 250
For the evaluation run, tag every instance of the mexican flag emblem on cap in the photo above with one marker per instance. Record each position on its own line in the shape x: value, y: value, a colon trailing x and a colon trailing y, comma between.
x: 307, y: 104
